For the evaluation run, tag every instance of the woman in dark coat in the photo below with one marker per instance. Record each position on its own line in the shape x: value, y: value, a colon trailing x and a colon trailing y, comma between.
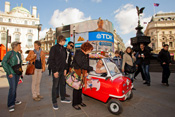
x: 81, y: 65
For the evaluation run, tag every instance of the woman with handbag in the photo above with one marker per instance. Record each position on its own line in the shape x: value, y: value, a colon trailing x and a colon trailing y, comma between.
x: 37, y: 57
x: 9, y: 63
x: 81, y: 67
x: 128, y: 66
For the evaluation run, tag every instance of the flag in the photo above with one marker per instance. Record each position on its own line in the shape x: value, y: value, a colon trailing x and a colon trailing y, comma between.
x: 156, y: 4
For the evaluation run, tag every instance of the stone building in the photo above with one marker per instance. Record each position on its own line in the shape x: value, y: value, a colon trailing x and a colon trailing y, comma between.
x: 118, y: 42
x: 21, y: 25
x: 161, y: 29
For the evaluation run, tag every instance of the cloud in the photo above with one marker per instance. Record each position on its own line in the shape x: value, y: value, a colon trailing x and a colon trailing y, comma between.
x: 68, y: 16
x: 127, y: 18
x: 66, y: 0
x: 128, y: 43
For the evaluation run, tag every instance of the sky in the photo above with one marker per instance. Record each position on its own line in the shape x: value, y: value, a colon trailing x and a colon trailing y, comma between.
x: 122, y: 13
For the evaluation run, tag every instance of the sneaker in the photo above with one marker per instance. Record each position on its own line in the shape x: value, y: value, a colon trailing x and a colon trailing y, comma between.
x: 11, y: 108
x: 18, y: 102
x: 145, y: 83
x: 55, y: 106
x: 148, y: 84
x: 65, y: 101
x: 39, y: 96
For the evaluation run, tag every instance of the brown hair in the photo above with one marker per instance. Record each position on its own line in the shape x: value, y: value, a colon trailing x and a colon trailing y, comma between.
x: 128, y: 48
x: 86, y: 46
x: 117, y: 52
x: 60, y: 38
x: 38, y: 43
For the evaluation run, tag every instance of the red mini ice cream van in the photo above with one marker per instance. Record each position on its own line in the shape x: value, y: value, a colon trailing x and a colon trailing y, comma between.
x: 111, y: 87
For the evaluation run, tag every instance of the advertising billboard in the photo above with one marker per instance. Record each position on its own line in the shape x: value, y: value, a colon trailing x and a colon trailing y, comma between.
x: 101, y: 36
x: 92, y: 25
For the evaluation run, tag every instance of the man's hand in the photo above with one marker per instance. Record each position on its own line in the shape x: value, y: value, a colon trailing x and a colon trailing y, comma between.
x: 65, y: 72
x: 10, y: 76
x: 56, y: 74
x: 139, y: 56
x: 163, y: 63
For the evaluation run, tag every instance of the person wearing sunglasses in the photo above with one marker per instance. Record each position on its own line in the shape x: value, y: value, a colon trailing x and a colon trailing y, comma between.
x: 69, y: 47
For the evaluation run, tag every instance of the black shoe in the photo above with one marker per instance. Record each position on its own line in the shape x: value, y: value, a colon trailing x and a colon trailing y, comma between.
x: 133, y: 89
x: 55, y: 106
x: 145, y: 83
x: 65, y: 101
x: 77, y: 107
x: 167, y: 84
x: 148, y: 84
x: 66, y: 95
x: 83, y: 105
x: 18, y: 102
x: 12, y: 108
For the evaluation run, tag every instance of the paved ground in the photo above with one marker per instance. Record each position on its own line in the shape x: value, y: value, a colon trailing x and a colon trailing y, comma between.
x: 153, y: 101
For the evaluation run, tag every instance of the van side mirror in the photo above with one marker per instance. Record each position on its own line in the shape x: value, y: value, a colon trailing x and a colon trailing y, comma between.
x: 107, y: 78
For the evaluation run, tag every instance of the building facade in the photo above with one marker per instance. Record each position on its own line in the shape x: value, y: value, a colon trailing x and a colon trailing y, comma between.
x: 21, y: 25
x: 161, y: 29
x: 48, y: 41
x: 118, y: 43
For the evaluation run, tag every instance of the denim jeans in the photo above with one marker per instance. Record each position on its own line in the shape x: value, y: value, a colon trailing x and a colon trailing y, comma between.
x: 145, y: 69
x: 58, y: 83
x: 13, y: 83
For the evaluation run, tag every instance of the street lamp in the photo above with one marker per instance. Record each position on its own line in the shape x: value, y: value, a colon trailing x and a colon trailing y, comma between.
x: 39, y: 28
x: 74, y: 38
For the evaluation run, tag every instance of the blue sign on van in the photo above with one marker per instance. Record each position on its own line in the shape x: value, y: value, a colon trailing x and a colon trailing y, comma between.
x: 101, y: 36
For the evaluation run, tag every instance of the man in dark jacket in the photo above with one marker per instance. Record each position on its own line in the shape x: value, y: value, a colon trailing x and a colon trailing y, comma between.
x: 57, y: 61
x: 165, y: 61
x: 70, y: 46
x: 144, y: 57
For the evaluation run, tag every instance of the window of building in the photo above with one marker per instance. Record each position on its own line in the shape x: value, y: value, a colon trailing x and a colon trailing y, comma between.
x: 10, y: 20
x: 25, y: 22
x: 1, y: 19
x: 17, y: 37
x: 151, y: 33
x: 163, y: 32
x: 153, y: 46
x: 163, y: 43
x: 17, y: 30
x: 152, y: 39
x: 30, y: 31
x: 33, y: 23
x: 3, y: 39
x: 170, y: 32
x: 169, y: 18
x: 171, y: 44
x: 3, y: 28
x: 30, y: 40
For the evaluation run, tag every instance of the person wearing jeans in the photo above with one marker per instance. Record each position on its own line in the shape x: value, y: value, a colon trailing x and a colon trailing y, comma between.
x: 57, y: 62
x: 37, y: 57
x: 165, y: 61
x: 12, y: 58
x: 144, y: 58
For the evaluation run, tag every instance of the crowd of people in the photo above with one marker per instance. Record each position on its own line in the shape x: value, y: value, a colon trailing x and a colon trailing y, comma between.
x: 60, y: 62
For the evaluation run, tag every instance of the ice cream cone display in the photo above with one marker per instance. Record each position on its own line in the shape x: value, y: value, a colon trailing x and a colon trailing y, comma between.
x: 96, y: 56
x: 81, y: 39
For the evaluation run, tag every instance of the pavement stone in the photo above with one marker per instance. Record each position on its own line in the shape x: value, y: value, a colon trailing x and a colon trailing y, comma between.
x: 153, y: 101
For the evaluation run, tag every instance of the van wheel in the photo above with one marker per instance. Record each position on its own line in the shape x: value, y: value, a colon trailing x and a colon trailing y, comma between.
x: 131, y: 96
x: 115, y: 107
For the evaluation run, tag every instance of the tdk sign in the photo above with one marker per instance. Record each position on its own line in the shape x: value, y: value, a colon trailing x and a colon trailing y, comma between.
x: 101, y: 36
